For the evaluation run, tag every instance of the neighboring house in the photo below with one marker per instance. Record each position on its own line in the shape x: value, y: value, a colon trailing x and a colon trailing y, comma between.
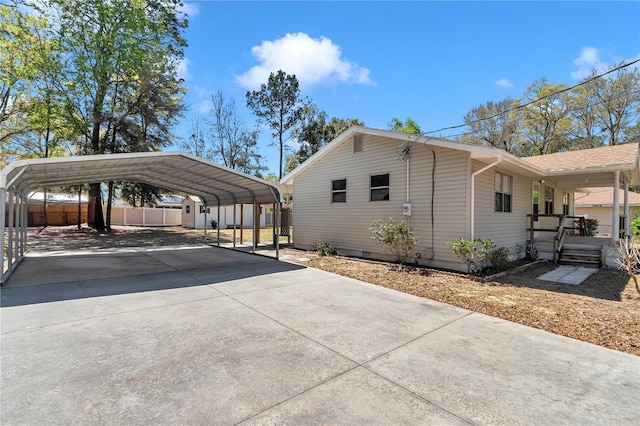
x: 597, y: 203
x: 193, y: 215
x: 444, y: 190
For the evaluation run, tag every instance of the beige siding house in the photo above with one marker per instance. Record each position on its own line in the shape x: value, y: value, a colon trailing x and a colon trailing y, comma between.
x: 444, y: 190
x: 597, y: 203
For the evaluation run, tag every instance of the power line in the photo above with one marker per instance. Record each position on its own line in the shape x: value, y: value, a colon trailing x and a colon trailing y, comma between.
x: 533, y: 101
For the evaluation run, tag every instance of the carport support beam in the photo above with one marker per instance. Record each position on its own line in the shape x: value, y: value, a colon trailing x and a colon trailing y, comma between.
x: 3, y: 208
x: 218, y: 227
x: 277, y: 222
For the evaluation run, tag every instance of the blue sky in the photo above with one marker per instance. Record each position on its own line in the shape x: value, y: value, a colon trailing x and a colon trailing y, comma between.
x: 431, y: 61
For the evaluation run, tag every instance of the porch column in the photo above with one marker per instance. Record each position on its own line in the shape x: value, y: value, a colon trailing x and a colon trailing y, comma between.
x: 627, y: 221
x: 616, y: 206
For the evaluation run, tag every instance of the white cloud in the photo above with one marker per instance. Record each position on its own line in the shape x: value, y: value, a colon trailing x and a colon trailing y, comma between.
x: 313, y: 61
x: 588, y: 60
x: 503, y: 82
x: 182, y: 69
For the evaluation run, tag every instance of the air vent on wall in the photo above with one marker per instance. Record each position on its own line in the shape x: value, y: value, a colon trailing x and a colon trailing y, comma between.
x: 358, y: 142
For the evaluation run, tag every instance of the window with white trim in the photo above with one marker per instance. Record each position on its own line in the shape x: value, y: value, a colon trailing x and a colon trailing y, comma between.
x: 339, y: 191
x: 379, y: 187
x: 565, y: 203
x: 504, y: 188
x: 548, y: 200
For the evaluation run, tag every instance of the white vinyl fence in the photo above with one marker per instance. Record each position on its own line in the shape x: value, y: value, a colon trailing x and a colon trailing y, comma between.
x: 144, y: 216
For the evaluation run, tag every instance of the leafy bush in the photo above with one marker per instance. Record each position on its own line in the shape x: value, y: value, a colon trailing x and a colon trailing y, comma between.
x: 635, y: 225
x: 472, y: 253
x: 499, y: 258
x: 323, y: 249
x: 591, y: 227
x: 394, y: 237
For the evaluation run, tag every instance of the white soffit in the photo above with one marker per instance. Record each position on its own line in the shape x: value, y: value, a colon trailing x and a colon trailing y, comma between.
x: 174, y: 171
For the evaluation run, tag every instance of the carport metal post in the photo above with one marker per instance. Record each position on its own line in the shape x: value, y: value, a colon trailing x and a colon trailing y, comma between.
x: 3, y: 207
x: 204, y: 208
x: 23, y: 226
x: 11, y: 226
x: 277, y: 241
x: 218, y: 227
x: 254, y: 243
x: 234, y: 224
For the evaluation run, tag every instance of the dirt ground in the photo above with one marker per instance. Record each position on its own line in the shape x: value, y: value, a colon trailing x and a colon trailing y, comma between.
x: 604, y: 310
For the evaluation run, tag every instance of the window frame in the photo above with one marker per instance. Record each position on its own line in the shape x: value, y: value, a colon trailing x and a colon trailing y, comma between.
x: 378, y: 188
x: 338, y: 191
x: 503, y: 199
x: 566, y: 208
x: 549, y: 201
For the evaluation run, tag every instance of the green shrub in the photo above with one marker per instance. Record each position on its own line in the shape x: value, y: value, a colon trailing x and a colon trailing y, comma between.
x: 591, y: 227
x: 323, y: 249
x: 635, y: 225
x: 394, y: 237
x: 499, y: 258
x: 472, y: 253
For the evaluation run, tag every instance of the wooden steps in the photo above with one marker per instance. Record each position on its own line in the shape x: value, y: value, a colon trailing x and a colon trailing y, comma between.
x: 581, y: 255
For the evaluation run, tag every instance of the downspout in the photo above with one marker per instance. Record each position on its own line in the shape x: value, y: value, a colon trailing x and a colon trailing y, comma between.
x: 627, y: 221
x: 473, y: 192
x: 616, y: 206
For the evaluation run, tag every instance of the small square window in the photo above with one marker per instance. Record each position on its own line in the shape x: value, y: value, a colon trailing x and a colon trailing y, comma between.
x: 379, y: 187
x: 339, y: 191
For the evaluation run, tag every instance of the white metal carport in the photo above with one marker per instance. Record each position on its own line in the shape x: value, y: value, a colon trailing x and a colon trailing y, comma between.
x: 216, y: 185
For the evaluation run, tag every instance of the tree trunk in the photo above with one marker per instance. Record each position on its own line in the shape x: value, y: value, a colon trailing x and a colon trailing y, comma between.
x: 79, y: 206
x: 109, y: 201
x: 44, y: 207
x: 95, y: 198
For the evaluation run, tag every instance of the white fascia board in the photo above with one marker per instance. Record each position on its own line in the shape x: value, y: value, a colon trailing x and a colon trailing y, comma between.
x: 478, y: 150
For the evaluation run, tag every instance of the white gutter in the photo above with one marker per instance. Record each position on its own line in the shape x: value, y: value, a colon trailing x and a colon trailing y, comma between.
x: 473, y: 192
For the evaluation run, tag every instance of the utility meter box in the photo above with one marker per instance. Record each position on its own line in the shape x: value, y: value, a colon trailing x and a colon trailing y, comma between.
x: 406, y: 209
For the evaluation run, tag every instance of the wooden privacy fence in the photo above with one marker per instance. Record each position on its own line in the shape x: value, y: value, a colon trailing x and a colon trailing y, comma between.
x: 67, y: 214
x: 57, y: 214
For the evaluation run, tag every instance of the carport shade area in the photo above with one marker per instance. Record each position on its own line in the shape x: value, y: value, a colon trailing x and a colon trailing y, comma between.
x: 216, y: 185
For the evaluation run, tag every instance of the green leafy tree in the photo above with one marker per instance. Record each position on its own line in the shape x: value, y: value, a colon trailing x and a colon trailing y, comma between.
x: 141, y: 194
x: 409, y: 126
x: 29, y: 61
x: 278, y: 105
x: 617, y: 104
x: 492, y: 124
x: 545, y: 121
x: 122, y: 58
x: 314, y: 131
x: 585, y: 130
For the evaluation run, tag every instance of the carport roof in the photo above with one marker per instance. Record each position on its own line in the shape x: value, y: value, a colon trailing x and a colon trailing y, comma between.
x: 174, y: 171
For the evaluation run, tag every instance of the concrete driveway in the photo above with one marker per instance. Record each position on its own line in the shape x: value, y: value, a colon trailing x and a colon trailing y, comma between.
x: 202, y: 335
